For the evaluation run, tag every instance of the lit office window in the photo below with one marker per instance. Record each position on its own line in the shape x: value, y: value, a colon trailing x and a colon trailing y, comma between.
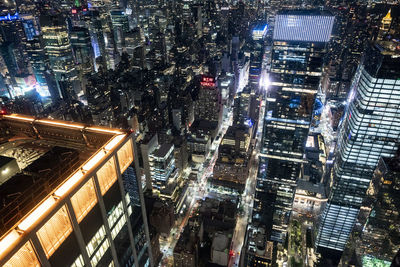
x: 100, y: 252
x: 128, y: 199
x: 125, y: 156
x: 129, y: 210
x: 96, y: 241
x: 25, y: 256
x: 115, y: 214
x: 107, y: 175
x: 118, y: 226
x: 84, y: 200
x: 55, y: 231
x: 78, y: 262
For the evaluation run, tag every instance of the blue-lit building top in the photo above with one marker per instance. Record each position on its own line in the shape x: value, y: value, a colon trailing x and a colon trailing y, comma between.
x: 259, y: 31
x: 10, y: 17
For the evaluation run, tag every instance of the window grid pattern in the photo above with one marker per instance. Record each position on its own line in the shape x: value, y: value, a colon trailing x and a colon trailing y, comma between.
x: 84, y: 200
x: 78, y: 262
x: 25, y: 256
x: 55, y: 231
x: 107, y: 175
x: 125, y: 156
x: 371, y: 130
x: 96, y: 240
x: 100, y: 252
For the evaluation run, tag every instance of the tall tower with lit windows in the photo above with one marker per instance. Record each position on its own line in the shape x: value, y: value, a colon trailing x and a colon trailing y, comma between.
x: 69, y: 196
x: 58, y: 49
x: 370, y: 130
x: 299, y: 41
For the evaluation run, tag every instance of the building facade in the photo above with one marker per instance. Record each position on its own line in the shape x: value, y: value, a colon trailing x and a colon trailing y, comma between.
x: 371, y: 129
x: 380, y: 237
x: 208, y: 106
x: 86, y: 207
x: 59, y: 51
x: 296, y: 68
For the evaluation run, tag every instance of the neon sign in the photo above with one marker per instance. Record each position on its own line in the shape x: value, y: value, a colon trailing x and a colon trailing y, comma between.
x: 207, y: 81
x: 208, y: 84
x: 10, y: 17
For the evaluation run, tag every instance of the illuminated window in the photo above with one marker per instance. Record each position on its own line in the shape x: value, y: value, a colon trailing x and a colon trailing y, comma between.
x: 100, y: 252
x: 84, y: 200
x: 128, y: 199
x: 115, y: 214
x: 107, y: 175
x: 78, y: 262
x: 125, y: 156
x: 55, y: 231
x: 25, y: 256
x: 96, y: 240
x: 121, y: 222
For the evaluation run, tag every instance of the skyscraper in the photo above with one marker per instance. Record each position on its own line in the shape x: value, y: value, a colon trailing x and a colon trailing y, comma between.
x: 299, y: 42
x: 82, y: 49
x: 77, y: 200
x: 380, y: 237
x: 208, y: 105
x: 58, y: 49
x: 371, y: 129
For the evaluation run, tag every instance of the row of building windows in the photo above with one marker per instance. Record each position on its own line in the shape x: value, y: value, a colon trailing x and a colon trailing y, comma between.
x: 53, y: 233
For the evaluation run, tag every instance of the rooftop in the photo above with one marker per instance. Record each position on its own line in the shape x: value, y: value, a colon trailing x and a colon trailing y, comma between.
x: 220, y: 242
x: 162, y: 151
x: 50, y: 155
x: 305, y: 12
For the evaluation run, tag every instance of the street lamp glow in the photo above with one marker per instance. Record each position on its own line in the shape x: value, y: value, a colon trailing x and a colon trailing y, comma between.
x: 265, y: 82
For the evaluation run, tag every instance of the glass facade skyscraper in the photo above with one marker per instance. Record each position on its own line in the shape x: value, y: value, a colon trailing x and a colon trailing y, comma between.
x: 58, y: 49
x: 296, y: 69
x: 370, y: 130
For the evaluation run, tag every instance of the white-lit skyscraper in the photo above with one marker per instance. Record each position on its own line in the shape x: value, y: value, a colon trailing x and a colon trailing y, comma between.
x: 371, y: 129
x: 299, y: 41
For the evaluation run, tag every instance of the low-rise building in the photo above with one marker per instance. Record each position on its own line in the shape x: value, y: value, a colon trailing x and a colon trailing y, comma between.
x: 220, y: 249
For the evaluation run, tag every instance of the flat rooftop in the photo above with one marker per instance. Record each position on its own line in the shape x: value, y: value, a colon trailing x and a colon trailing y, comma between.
x: 305, y: 12
x: 47, y: 153
x: 389, y: 48
x: 162, y: 151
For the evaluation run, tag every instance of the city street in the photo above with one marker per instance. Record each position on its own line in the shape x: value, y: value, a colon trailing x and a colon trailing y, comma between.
x: 247, y: 196
x: 199, y: 190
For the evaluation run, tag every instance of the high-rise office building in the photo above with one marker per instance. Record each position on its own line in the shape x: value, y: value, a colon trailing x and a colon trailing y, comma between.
x: 82, y: 49
x: 59, y: 51
x: 39, y: 63
x: 120, y: 26
x: 380, y: 237
x: 299, y: 42
x: 208, y: 106
x: 370, y: 130
x: 69, y: 196
x: 241, y: 112
x: 162, y: 166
